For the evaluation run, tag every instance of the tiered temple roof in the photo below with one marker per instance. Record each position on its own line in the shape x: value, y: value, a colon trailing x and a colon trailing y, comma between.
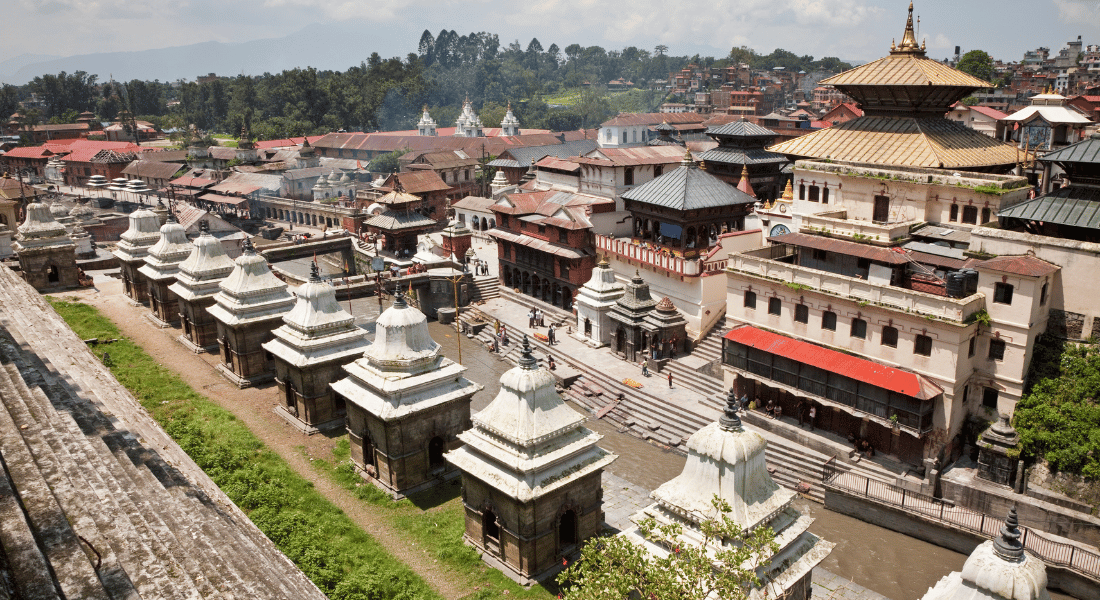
x: 164, y: 257
x: 251, y: 293
x: 205, y: 268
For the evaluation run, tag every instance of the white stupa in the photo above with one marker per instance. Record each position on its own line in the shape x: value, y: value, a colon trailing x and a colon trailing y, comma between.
x: 131, y: 250
x: 196, y: 284
x: 998, y: 569
x: 426, y: 126
x: 726, y: 460
x: 162, y: 264
x: 47, y: 256
x: 509, y: 125
x: 468, y: 123
x: 594, y: 302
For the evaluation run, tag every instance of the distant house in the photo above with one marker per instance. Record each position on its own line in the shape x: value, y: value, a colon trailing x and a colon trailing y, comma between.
x: 33, y: 158
x: 842, y: 112
x: 978, y: 118
x: 426, y: 185
x: 455, y: 167
x: 82, y: 163
x: 156, y: 175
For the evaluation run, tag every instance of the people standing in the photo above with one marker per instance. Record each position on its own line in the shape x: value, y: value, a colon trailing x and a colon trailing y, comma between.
x: 645, y: 369
x: 800, y: 409
x: 531, y: 319
x: 550, y: 335
x: 813, y: 413
x: 670, y: 380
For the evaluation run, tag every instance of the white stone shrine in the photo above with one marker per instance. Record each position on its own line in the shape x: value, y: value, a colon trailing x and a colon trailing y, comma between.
x: 594, y: 302
x: 162, y: 264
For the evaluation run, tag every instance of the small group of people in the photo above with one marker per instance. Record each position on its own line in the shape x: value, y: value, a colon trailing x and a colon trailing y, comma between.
x: 535, y: 318
x: 862, y: 445
x: 481, y: 267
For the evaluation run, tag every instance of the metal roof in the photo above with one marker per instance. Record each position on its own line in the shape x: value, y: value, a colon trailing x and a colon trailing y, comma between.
x: 831, y: 361
x: 688, y: 188
x: 939, y: 232
x: 536, y: 244
x: 752, y: 156
x: 905, y: 70
x: 523, y: 156
x: 1025, y: 265
x: 902, y: 141
x: 1076, y: 206
x: 1085, y: 151
x: 818, y: 242
x: 396, y: 220
x: 742, y: 128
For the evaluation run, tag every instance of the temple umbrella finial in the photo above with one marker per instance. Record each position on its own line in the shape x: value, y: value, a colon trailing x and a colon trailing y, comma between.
x: 1008, y: 545
x: 314, y: 273
x: 204, y: 227
x: 729, y: 420
x: 527, y: 360
x: 248, y: 247
x: 399, y: 299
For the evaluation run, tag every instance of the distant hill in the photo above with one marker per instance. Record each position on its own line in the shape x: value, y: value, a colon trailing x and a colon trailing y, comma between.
x: 9, y: 66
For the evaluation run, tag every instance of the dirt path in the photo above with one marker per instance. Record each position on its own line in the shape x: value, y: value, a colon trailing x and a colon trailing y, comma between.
x: 254, y: 407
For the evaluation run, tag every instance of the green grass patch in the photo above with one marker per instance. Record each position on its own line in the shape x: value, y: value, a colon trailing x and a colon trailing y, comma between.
x: 434, y: 519
x: 338, y: 556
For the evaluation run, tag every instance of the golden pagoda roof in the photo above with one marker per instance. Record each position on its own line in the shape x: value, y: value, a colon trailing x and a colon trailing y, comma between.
x: 902, y: 141
x: 905, y: 69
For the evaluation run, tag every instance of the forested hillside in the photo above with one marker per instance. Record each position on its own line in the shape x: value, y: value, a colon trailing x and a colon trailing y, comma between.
x: 549, y: 87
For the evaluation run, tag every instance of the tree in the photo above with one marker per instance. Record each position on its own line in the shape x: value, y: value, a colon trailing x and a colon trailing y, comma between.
x: 977, y: 63
x: 660, y: 49
x: 386, y: 163
x: 723, y: 563
x: 427, y: 47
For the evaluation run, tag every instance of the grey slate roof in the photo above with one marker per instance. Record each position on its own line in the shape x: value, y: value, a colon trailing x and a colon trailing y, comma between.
x: 742, y: 128
x: 395, y: 220
x: 688, y: 188
x: 1076, y: 206
x: 1085, y: 151
x: 734, y: 156
x: 522, y: 157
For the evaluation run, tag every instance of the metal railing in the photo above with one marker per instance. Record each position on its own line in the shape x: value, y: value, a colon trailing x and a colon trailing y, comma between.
x: 1081, y: 560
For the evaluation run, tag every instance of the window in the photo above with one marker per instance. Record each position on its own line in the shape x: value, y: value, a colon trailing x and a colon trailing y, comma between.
x: 996, y: 349
x: 750, y: 300
x: 819, y: 255
x: 814, y: 193
x: 986, y: 215
x: 970, y: 215
x: 973, y: 343
x: 890, y: 336
x: 563, y: 236
x: 989, y: 397
x: 923, y: 345
x: 828, y: 320
x: 1043, y: 295
x: 802, y: 191
x: 775, y: 306
x: 863, y: 264
x: 542, y: 229
x: 859, y: 328
x: 628, y: 178
x: 503, y: 220
x: 1002, y: 293
x: 624, y: 137
x: 825, y: 196
x: 954, y: 213
x: 658, y: 170
x: 801, y: 313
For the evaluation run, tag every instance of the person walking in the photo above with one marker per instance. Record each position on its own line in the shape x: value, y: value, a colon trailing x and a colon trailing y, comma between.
x: 645, y: 369
x: 550, y: 335
x: 531, y: 319
x: 813, y: 413
x: 670, y: 380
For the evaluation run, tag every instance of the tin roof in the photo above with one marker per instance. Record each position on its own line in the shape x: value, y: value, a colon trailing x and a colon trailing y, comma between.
x: 734, y: 156
x: 1085, y: 151
x: 396, y: 220
x: 742, y: 128
x: 1075, y: 206
x: 688, y: 188
x: 537, y: 244
x: 153, y: 169
x: 817, y: 242
x: 640, y: 155
x: 905, y: 70
x: 902, y: 141
x: 1025, y: 265
x: 651, y: 119
x: 859, y: 369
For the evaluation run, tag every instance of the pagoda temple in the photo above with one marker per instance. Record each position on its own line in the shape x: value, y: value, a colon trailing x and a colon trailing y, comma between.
x: 131, y: 250
x: 742, y: 154
x: 904, y: 98
x: 249, y: 305
x: 316, y: 340
x: 727, y: 461
x: 628, y: 339
x: 666, y: 330
x: 406, y: 404
x: 594, y: 302
x: 162, y: 264
x: 400, y: 222
x: 47, y: 256
x: 531, y: 475
x: 196, y: 284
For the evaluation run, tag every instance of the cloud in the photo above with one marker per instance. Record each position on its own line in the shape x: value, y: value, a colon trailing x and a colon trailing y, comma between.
x: 1078, y: 11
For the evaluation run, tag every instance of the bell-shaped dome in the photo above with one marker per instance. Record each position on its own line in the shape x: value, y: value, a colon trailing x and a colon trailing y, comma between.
x: 402, y: 340
x: 135, y: 242
x: 317, y: 310
x: 208, y: 258
x: 40, y: 223
x: 725, y: 459
x: 333, y: 177
x: 603, y: 279
x: 251, y: 275
x: 58, y: 211
x: 173, y: 245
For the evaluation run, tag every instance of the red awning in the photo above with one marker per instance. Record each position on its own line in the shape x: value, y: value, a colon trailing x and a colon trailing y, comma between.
x: 889, y: 378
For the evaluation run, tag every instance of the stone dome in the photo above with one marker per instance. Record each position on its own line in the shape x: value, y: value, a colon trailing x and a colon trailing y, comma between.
x: 40, y: 223
x: 345, y: 179
x: 402, y: 340
x: 208, y: 257
x: 333, y: 177
x: 143, y: 224
x: 603, y: 278
x: 173, y: 242
x: 81, y: 213
x: 666, y: 305
x: 725, y: 460
x: 317, y: 309
x: 57, y: 210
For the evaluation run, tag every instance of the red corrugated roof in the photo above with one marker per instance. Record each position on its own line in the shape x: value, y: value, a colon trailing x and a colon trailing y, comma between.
x: 889, y: 378
x: 1025, y: 265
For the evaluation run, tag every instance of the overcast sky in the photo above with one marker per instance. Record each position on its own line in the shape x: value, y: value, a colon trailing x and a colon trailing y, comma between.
x: 849, y: 29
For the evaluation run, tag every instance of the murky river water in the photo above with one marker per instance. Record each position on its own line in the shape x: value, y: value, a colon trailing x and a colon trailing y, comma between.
x: 892, y: 564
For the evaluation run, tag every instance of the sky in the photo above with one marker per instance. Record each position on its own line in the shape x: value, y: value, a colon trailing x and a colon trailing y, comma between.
x: 849, y: 29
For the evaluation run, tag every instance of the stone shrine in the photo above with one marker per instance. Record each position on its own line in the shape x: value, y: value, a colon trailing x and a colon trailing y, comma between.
x: 195, y: 286
x: 727, y: 461
x: 994, y: 445
x: 317, y: 339
x: 406, y: 404
x: 666, y: 330
x: 456, y: 239
x: 509, y: 125
x: 628, y: 339
x: 249, y: 305
x: 531, y: 476
x: 998, y: 569
x: 47, y: 257
x: 131, y: 250
x: 594, y: 302
x: 162, y: 264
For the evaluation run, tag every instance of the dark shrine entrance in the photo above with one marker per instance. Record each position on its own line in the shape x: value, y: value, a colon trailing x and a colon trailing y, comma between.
x: 436, y: 447
x: 567, y: 530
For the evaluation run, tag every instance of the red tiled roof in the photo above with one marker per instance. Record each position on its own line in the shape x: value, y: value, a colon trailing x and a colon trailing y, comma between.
x: 859, y: 369
x: 551, y: 162
x: 1025, y: 265
x: 29, y: 152
x: 989, y: 112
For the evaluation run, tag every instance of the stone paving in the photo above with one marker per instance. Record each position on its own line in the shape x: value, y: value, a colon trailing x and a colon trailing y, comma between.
x: 622, y: 499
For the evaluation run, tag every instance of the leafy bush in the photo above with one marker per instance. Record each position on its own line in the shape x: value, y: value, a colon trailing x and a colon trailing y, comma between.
x: 1059, y: 418
x: 341, y: 559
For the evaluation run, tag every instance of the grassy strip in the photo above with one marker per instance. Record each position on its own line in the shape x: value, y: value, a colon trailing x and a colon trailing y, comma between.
x: 341, y: 559
x: 436, y: 520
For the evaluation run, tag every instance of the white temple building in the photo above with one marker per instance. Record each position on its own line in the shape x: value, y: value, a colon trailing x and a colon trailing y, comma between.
x: 426, y: 126
x: 196, y: 284
x: 132, y: 248
x: 468, y: 123
x: 509, y: 125
x: 406, y: 404
x: 594, y: 302
x: 316, y: 340
x: 162, y: 264
x: 531, y: 475
x: 998, y: 569
x: 47, y: 256
x: 726, y: 460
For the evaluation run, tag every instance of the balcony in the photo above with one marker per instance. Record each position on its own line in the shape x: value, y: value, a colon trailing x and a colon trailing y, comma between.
x: 688, y: 267
x: 836, y: 224
x: 760, y: 264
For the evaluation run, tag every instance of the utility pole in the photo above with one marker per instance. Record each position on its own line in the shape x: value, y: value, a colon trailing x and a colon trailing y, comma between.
x: 454, y: 279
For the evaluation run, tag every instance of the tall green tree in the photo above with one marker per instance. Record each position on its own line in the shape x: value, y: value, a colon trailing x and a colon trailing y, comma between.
x: 977, y: 63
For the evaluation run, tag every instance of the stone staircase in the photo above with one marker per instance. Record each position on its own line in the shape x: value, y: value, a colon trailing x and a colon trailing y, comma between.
x: 553, y: 313
x: 486, y: 287
x: 99, y: 502
x: 650, y: 416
